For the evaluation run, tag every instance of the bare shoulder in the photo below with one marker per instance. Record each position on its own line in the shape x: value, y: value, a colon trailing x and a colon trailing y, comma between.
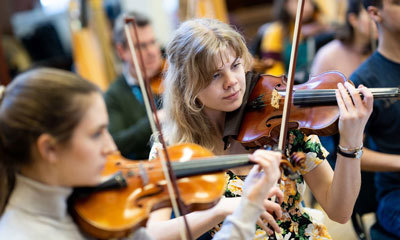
x: 327, y: 57
x: 332, y: 48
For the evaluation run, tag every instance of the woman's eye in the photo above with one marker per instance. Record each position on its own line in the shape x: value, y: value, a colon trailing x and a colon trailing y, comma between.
x: 97, y: 134
x: 236, y: 65
x: 216, y: 75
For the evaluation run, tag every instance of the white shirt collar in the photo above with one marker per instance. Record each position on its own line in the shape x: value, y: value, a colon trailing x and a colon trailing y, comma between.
x: 130, y: 80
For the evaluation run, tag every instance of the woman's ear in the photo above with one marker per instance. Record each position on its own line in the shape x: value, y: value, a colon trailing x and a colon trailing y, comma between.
x: 46, y: 146
x: 353, y: 20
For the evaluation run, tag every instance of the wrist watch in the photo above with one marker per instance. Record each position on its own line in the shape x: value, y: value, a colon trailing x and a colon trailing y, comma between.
x: 354, y: 153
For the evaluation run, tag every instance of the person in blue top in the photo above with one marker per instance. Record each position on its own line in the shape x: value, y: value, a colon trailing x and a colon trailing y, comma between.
x: 382, y: 69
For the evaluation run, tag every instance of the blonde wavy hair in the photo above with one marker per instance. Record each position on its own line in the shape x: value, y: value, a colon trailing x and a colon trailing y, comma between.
x: 193, y: 54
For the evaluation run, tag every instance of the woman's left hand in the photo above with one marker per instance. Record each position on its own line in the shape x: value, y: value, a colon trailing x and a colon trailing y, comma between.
x: 354, y: 113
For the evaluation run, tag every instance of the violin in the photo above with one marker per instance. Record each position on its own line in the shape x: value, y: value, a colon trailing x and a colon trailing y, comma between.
x: 132, y: 190
x: 123, y: 202
x: 314, y: 108
x: 156, y: 82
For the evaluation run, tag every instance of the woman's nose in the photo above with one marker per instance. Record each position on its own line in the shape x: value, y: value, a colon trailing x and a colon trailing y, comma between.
x: 109, y: 146
x: 229, y: 81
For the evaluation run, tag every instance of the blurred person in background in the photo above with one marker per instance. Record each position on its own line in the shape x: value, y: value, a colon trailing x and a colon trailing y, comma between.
x: 276, y: 43
x: 129, y: 125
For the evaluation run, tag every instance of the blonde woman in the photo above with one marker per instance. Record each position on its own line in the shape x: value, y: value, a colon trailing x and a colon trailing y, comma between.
x: 206, y: 79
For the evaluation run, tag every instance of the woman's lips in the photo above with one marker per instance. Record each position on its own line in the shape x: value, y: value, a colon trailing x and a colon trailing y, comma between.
x: 233, y: 96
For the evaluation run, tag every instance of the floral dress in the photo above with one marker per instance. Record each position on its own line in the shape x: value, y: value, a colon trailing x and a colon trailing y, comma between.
x: 295, y: 222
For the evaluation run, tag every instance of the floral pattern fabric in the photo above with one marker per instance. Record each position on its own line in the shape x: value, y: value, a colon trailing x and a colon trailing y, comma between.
x: 295, y: 223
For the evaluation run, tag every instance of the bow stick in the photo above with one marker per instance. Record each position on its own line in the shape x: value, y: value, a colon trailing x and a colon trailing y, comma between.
x: 170, y: 177
x: 290, y: 81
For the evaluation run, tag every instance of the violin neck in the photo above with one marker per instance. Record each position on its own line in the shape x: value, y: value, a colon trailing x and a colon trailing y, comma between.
x: 209, y: 165
x: 326, y: 97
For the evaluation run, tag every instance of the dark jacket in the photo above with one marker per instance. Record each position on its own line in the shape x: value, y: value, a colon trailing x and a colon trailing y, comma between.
x: 129, y: 125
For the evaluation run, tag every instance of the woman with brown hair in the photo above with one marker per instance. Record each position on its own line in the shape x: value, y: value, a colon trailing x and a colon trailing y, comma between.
x: 53, y: 136
x: 352, y: 44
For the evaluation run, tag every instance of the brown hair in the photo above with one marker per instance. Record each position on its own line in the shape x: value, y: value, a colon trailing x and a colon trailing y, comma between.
x: 375, y: 3
x: 36, y: 102
x: 345, y: 33
x: 282, y: 15
x: 192, y: 55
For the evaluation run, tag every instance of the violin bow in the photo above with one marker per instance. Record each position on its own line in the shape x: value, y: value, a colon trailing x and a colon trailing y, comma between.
x: 290, y: 80
x: 177, y: 205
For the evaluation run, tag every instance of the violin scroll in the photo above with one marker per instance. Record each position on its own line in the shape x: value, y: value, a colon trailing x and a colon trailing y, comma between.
x: 291, y: 167
x: 156, y: 82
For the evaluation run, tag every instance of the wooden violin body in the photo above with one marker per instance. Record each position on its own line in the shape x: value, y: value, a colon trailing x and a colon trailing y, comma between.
x: 314, y: 108
x: 261, y: 123
x: 114, y: 213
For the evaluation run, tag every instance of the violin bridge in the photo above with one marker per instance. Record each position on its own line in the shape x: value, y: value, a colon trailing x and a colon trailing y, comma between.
x: 143, y: 174
x: 275, y: 98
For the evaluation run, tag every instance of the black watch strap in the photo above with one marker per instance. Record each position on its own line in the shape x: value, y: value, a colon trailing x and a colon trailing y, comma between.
x: 344, y: 154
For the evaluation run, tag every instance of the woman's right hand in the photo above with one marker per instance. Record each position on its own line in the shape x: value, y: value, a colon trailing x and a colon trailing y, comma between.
x: 258, y: 187
x: 272, y: 212
x: 263, y: 176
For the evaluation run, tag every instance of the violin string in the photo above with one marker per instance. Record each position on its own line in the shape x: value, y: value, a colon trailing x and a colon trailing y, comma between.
x: 328, y: 95
x: 196, y: 163
x: 196, y: 166
x: 324, y: 91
